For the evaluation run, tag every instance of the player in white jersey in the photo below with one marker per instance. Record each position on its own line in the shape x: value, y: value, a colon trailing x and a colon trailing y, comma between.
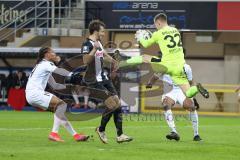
x: 176, y: 95
x: 38, y: 97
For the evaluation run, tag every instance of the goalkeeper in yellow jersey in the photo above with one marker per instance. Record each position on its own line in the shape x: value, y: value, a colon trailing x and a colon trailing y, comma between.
x: 169, y: 40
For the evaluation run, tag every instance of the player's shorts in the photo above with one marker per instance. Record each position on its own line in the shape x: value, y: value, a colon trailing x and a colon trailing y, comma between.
x: 175, y: 70
x: 175, y: 94
x: 102, y: 90
x: 38, y: 98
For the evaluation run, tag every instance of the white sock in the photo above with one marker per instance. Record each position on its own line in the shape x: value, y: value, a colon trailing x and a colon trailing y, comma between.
x: 75, y: 97
x: 56, y: 124
x: 60, y: 113
x: 194, y: 119
x: 170, y: 120
x: 68, y: 127
x: 86, y: 100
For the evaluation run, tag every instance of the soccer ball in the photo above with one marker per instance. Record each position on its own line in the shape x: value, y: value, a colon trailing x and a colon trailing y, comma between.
x: 143, y: 34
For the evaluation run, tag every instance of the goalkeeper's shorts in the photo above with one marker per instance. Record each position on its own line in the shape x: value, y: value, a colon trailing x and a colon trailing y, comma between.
x: 176, y: 71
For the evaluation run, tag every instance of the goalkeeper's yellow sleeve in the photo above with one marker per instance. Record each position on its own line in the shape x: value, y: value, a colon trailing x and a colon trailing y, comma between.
x: 147, y: 43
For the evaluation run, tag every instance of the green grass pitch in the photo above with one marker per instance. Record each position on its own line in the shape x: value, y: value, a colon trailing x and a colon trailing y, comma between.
x: 23, y: 135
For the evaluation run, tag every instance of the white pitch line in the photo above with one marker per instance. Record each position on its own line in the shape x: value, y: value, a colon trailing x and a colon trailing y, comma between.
x: 201, y: 126
x: 21, y: 129
x: 29, y: 129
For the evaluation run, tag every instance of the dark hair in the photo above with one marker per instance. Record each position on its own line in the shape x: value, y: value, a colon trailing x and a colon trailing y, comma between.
x: 160, y: 16
x: 94, y: 25
x: 41, y: 53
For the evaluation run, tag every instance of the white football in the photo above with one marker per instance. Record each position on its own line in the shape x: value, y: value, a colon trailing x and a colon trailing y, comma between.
x: 143, y: 34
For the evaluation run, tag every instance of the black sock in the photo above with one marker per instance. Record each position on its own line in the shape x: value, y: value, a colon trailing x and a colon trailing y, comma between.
x: 105, y: 119
x: 117, y: 115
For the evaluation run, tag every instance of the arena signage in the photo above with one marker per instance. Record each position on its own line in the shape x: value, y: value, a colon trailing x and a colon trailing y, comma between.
x: 127, y: 15
x: 135, y: 5
x: 22, y: 11
x: 7, y: 14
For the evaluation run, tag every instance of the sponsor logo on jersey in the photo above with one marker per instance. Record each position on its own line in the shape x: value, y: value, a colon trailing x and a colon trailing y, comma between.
x: 99, y: 54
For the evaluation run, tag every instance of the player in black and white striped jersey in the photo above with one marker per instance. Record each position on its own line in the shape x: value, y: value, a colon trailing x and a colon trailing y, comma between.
x: 94, y: 57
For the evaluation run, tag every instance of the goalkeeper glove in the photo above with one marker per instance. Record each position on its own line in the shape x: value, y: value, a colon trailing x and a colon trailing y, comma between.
x: 143, y: 34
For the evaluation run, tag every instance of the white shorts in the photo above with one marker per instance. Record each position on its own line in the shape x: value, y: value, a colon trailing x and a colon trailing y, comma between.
x: 175, y: 94
x: 38, y: 98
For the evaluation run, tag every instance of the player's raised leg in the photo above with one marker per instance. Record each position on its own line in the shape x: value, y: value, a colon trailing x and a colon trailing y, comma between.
x: 135, y: 60
x: 191, y: 91
x: 159, y: 67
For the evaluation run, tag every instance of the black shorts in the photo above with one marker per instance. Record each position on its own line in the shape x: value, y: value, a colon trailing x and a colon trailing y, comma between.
x: 102, y: 90
x: 106, y: 86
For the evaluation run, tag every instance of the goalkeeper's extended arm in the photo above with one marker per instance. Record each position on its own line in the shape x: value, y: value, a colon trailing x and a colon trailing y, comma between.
x: 145, y: 38
x: 147, y: 43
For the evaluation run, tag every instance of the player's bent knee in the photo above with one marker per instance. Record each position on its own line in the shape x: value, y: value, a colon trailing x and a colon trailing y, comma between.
x: 110, y: 103
x: 55, y: 101
x: 166, y: 107
x: 61, y: 110
x: 189, y: 105
x: 168, y: 103
x: 191, y: 108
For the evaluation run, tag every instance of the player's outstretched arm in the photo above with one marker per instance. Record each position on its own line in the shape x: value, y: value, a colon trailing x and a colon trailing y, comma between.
x: 109, y: 59
x: 145, y: 38
x: 147, y: 43
x: 54, y: 84
x: 70, y: 77
x: 62, y: 72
